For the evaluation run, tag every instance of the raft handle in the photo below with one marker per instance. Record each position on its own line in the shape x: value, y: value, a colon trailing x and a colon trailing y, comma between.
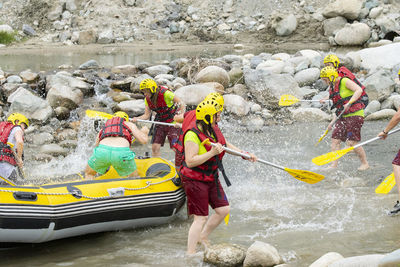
x: 25, y: 196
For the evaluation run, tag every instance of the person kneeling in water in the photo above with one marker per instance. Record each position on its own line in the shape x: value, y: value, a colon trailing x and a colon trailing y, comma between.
x: 112, y: 147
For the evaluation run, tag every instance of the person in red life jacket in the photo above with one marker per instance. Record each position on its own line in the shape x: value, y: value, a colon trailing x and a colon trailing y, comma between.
x: 166, y: 105
x: 188, y: 117
x: 345, y: 95
x: 112, y: 147
x: 333, y: 61
x: 12, y: 145
x: 199, y: 172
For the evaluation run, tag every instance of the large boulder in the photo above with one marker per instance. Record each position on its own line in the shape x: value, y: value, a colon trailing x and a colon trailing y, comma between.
x: 262, y: 254
x: 350, y: 9
x: 193, y: 94
x: 379, y: 85
x: 225, y: 255
x: 333, y: 25
x: 236, y: 104
x: 271, y: 66
x: 307, y: 76
x: 32, y: 106
x: 284, y: 24
x: 132, y: 107
x: 310, y: 114
x: 327, y: 259
x: 213, y: 74
x: 391, y: 259
x: 383, y: 114
x: 267, y: 88
x: 364, y: 261
x: 353, y: 34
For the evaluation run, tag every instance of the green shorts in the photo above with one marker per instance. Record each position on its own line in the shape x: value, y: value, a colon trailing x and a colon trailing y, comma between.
x: 121, y: 158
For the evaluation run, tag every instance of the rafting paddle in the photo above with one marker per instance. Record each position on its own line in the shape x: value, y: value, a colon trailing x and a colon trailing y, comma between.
x: 386, y: 185
x: 97, y: 114
x: 334, y: 155
x: 301, y: 175
x: 288, y: 100
x: 327, y: 129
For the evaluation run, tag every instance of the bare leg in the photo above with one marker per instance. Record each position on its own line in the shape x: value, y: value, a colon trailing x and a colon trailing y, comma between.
x: 156, y: 150
x: 213, y: 222
x: 335, y: 145
x: 194, y: 233
x: 361, y: 155
x: 89, y: 173
x: 396, y: 170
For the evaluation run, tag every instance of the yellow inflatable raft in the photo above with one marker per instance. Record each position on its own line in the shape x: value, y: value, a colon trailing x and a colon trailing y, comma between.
x: 36, y: 214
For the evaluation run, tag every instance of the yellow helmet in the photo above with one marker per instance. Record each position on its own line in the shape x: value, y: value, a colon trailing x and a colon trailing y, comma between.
x: 399, y: 72
x: 148, y: 84
x: 332, y: 59
x: 330, y: 73
x: 121, y: 114
x: 18, y: 117
x: 207, y: 108
x: 218, y: 98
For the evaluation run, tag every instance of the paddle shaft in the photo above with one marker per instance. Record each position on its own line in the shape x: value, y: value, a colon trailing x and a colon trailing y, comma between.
x: 375, y: 138
x: 157, y: 122
x: 247, y: 156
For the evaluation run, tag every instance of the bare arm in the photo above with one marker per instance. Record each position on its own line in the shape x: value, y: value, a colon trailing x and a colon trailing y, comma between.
x: 19, y: 138
x: 357, y: 92
x: 392, y: 123
x: 145, y: 116
x: 193, y: 159
x: 180, y: 104
x: 141, y: 136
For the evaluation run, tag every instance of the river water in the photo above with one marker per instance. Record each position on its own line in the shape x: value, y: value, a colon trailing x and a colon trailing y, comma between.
x: 341, y: 213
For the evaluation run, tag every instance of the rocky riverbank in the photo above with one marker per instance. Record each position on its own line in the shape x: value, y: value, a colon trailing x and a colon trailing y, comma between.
x: 252, y: 85
x: 70, y: 22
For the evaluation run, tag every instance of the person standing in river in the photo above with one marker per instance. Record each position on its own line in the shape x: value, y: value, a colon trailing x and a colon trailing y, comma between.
x: 396, y: 161
x: 345, y: 95
x: 12, y: 145
x: 199, y: 173
x: 112, y: 147
x: 166, y: 105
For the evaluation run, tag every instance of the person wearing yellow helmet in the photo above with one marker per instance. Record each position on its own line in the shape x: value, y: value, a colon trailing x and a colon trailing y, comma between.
x: 12, y: 145
x: 112, y: 147
x: 345, y: 95
x: 186, y: 119
x: 166, y: 105
x: 396, y: 161
x: 199, y: 172
x: 333, y: 61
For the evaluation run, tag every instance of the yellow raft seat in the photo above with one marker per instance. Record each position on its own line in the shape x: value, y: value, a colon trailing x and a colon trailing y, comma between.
x: 36, y: 214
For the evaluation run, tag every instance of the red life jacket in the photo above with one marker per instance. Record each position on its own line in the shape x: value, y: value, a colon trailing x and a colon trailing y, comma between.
x: 164, y: 113
x: 345, y: 72
x: 116, y: 127
x: 339, y: 102
x: 208, y: 171
x: 188, y: 118
x: 6, y: 152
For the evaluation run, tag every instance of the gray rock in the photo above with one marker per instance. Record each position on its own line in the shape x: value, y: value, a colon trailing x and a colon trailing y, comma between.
x: 6, y: 28
x: 193, y: 94
x: 67, y: 134
x: 158, y: 69
x: 262, y: 254
x: 362, y: 261
x: 309, y: 115
x: 14, y: 79
x: 284, y: 25
x: 213, y: 74
x: 379, y: 85
x: 327, y: 259
x: 28, y: 30
x: 225, y: 255
x: 350, y: 9
x: 307, y: 77
x: 132, y: 107
x: 42, y: 138
x: 87, y: 37
x: 381, y: 115
x: 54, y: 150
x: 390, y: 260
x: 353, y: 34
x: 333, y: 25
x: 236, y: 104
x: 373, y: 106
x: 106, y: 37
x: 91, y: 64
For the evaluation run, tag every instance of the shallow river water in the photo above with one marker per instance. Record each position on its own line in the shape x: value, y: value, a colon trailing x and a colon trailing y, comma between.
x: 341, y: 213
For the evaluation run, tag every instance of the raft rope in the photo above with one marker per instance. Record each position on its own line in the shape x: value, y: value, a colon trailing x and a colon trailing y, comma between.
x: 78, y: 194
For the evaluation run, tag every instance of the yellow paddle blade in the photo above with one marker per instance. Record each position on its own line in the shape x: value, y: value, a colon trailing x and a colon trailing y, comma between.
x: 331, y: 156
x: 97, y: 114
x: 287, y: 100
x: 322, y: 136
x: 386, y: 185
x: 226, y: 219
x: 305, y: 176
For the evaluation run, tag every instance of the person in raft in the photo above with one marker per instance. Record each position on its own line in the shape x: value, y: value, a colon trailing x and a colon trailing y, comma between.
x: 188, y: 117
x: 12, y: 145
x: 333, y: 61
x: 345, y: 95
x: 112, y: 147
x: 199, y: 172
x: 396, y: 161
x: 166, y: 105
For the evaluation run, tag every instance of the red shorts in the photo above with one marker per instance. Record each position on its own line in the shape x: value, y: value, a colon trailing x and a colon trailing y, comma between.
x: 162, y: 131
x: 396, y: 160
x: 199, y: 194
x: 348, y: 128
